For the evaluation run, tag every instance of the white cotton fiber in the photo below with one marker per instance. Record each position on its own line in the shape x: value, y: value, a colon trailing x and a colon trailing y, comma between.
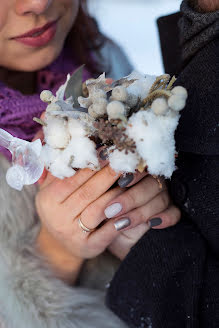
x: 154, y: 137
x: 60, y: 168
x: 83, y: 153
x: 49, y: 155
x: 122, y: 162
x: 56, y: 133
x: 75, y: 128
x: 140, y: 88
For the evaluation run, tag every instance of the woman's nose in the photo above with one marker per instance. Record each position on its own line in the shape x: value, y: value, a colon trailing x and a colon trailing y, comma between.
x: 37, y: 7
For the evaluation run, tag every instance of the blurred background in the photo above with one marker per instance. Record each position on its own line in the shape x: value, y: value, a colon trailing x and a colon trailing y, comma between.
x: 132, y: 24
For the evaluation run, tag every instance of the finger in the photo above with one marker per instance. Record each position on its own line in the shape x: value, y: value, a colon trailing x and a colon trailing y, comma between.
x: 134, y: 197
x: 111, y: 229
x: 39, y: 135
x: 93, y: 215
x: 62, y: 189
x: 169, y: 217
x: 43, y: 177
x: 90, y: 191
x: 132, y: 236
x: 143, y: 214
x: 48, y: 180
x: 131, y: 179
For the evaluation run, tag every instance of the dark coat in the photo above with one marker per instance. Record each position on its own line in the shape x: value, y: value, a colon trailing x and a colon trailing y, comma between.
x: 170, y: 278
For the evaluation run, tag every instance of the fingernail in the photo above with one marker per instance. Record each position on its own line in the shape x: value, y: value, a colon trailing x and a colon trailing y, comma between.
x: 104, y: 154
x: 155, y: 222
x: 124, y: 181
x: 122, y: 224
x: 113, y: 210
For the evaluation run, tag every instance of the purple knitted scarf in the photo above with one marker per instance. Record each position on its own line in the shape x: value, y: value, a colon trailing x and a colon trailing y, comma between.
x: 17, y: 110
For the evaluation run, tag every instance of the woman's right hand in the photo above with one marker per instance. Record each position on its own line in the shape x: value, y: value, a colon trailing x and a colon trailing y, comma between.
x: 60, y: 203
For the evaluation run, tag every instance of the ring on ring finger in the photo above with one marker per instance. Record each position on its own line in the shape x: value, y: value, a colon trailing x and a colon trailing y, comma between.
x: 83, y: 227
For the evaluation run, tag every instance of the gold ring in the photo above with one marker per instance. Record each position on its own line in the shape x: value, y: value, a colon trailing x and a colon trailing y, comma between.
x: 83, y: 227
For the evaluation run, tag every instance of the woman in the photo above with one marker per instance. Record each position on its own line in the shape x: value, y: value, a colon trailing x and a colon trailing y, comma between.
x: 43, y: 248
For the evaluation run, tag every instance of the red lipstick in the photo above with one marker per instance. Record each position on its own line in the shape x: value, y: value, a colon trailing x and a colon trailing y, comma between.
x: 38, y: 37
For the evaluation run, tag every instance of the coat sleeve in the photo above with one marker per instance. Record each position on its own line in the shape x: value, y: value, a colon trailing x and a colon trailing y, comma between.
x: 170, y: 277
x: 30, y: 294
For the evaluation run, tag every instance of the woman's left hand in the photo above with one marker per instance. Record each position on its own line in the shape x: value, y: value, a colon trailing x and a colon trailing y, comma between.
x: 143, y: 206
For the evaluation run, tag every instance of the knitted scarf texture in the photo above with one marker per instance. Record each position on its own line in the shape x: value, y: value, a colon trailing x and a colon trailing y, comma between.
x: 17, y: 110
x: 197, y: 29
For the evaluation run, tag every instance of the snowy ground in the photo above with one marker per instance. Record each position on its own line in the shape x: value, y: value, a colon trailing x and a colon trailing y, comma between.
x: 132, y: 23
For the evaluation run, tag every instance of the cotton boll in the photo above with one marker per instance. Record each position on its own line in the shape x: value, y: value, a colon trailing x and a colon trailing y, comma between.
x: 49, y: 155
x: 177, y: 102
x: 84, y: 102
x: 120, y: 93
x: 61, y: 169
x: 83, y: 152
x: 116, y: 110
x: 56, y: 132
x: 180, y: 91
x: 159, y: 106
x: 154, y: 141
x: 122, y: 162
x: 46, y: 96
x: 75, y: 128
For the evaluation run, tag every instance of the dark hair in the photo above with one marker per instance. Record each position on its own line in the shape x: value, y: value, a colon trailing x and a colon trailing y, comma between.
x: 84, y: 38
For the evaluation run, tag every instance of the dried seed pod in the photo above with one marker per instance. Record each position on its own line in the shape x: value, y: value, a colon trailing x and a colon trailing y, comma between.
x: 116, y: 110
x: 84, y: 102
x: 180, y: 91
x: 46, y: 96
x: 160, y: 106
x: 120, y: 93
x: 176, y: 102
x: 53, y: 107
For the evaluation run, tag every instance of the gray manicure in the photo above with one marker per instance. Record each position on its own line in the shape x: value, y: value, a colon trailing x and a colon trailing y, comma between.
x: 122, y: 224
x: 155, y: 222
x: 124, y: 181
x: 104, y: 154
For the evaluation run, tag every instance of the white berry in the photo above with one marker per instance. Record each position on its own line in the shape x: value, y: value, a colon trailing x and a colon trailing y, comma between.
x: 176, y: 102
x: 115, y: 109
x: 96, y: 94
x: 160, y: 106
x: 46, y: 96
x: 180, y: 91
x: 120, y: 93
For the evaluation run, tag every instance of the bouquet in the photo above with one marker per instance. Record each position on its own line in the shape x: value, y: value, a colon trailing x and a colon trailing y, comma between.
x: 135, y: 118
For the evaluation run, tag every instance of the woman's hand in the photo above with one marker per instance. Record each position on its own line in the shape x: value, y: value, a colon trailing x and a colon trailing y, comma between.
x: 60, y: 203
x: 145, y: 205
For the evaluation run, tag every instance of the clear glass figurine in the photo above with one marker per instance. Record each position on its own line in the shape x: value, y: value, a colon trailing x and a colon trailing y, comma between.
x: 27, y: 167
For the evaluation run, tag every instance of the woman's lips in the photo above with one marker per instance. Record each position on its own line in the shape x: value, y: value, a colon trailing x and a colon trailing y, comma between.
x: 38, y: 37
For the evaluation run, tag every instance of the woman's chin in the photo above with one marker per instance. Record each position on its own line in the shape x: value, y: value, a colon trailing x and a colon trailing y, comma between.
x: 35, y: 61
